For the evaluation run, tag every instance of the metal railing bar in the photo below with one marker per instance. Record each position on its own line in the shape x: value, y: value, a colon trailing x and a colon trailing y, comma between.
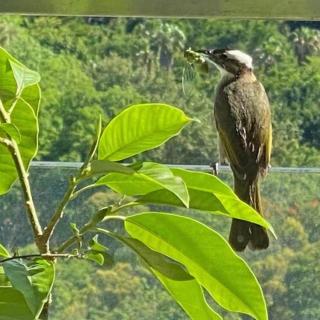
x: 196, y: 167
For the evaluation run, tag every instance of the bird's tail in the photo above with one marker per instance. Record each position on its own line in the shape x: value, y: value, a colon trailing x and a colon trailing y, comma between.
x: 242, y: 232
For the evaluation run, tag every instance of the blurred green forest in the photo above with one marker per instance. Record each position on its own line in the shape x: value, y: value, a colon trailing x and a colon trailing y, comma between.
x: 91, y: 66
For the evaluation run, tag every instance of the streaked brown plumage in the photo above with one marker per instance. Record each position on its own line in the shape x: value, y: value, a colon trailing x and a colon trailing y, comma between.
x: 243, y: 120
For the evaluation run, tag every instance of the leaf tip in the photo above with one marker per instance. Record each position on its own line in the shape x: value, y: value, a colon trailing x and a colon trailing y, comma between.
x: 194, y: 120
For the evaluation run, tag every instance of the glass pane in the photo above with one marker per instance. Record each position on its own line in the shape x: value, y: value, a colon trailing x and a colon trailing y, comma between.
x: 287, y: 270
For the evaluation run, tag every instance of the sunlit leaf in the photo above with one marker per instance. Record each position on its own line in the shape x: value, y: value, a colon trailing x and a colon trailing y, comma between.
x: 157, y: 261
x: 23, y: 117
x: 33, y: 280
x: 13, y: 305
x: 24, y: 111
x: 4, y: 281
x: 189, y: 295
x: 208, y: 193
x: 95, y: 245
x: 106, y: 166
x: 95, y: 256
x: 24, y: 76
x: 139, y: 128
x: 207, y: 257
x: 74, y: 229
x: 175, y: 278
x: 9, y: 129
x: 3, y: 251
x: 150, y: 177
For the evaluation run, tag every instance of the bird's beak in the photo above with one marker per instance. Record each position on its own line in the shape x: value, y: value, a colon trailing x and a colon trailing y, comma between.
x: 213, y: 56
x: 205, y: 52
x: 208, y: 55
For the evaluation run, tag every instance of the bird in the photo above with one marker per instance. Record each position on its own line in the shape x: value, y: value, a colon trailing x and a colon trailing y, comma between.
x: 242, y: 117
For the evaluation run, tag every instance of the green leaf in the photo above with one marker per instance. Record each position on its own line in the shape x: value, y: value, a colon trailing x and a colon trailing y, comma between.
x: 208, y: 193
x: 203, y: 181
x: 95, y: 257
x: 11, y: 130
x: 33, y: 280
x: 108, y: 259
x: 175, y: 278
x: 14, y: 78
x: 25, y: 108
x: 189, y: 295
x: 4, y: 252
x: 97, y: 246
x: 24, y: 77
x: 206, y: 255
x: 8, y: 84
x: 106, y: 166
x: 24, y: 118
x: 75, y: 229
x: 4, y: 281
x: 157, y: 261
x: 13, y: 305
x: 95, y: 144
x: 139, y: 128
x: 150, y: 177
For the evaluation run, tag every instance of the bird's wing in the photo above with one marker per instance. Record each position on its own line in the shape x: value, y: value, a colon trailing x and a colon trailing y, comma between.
x: 243, y: 119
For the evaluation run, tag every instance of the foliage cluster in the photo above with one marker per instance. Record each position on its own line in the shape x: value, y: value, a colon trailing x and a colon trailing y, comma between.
x: 185, y: 255
x: 118, y: 62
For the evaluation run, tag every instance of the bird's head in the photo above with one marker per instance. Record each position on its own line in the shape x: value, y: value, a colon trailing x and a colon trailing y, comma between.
x: 229, y: 62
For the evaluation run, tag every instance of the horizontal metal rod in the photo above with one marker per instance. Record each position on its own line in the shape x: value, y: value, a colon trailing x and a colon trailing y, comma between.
x: 199, y: 167
x: 234, y: 9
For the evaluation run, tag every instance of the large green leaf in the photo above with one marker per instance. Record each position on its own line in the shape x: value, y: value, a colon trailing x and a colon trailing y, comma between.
x: 15, y: 77
x: 19, y: 93
x: 4, y: 281
x: 157, y: 261
x: 3, y: 252
x: 99, y: 167
x: 24, y: 118
x: 174, y: 277
x: 206, y: 255
x: 189, y: 295
x: 13, y: 306
x: 24, y: 77
x: 208, y: 193
x: 150, y: 177
x: 178, y: 282
x: 139, y: 128
x: 9, y: 129
x: 34, y: 281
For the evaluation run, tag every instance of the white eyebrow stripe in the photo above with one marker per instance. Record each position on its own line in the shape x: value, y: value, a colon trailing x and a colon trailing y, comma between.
x: 241, y: 57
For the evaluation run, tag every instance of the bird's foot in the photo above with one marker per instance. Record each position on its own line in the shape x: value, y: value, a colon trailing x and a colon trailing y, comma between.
x: 215, y: 168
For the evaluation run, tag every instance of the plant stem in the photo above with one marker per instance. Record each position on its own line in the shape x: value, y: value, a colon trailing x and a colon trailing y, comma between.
x: 45, y: 310
x: 126, y: 205
x: 60, y: 210
x: 74, y: 181
x: 91, y: 227
x: 26, y: 189
x: 105, y: 232
x: 86, y: 228
x: 78, y: 192
x: 49, y: 256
